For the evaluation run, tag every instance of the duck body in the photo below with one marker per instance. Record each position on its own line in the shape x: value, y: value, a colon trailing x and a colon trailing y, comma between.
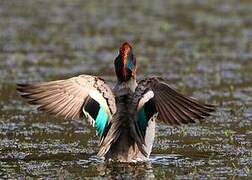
x: 125, y: 148
x: 124, y: 117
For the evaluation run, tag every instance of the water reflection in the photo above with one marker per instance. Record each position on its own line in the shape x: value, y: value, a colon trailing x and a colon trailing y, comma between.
x: 126, y: 170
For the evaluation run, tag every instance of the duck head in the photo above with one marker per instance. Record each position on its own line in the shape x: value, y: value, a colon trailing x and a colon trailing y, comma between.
x: 125, y: 68
x: 125, y: 63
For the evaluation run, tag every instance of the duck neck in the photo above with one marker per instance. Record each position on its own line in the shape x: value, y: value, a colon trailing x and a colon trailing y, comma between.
x: 124, y: 88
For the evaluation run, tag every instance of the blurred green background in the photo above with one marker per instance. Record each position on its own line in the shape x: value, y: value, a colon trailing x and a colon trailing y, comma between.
x: 203, y: 48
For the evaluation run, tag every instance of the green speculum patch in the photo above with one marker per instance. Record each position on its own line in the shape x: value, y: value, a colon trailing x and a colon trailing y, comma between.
x: 142, y: 120
x: 101, y: 121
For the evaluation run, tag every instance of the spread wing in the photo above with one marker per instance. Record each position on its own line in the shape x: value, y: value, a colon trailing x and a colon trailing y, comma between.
x: 73, y: 98
x: 172, y: 107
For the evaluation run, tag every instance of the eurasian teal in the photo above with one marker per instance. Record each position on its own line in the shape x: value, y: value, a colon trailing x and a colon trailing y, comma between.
x: 124, y: 117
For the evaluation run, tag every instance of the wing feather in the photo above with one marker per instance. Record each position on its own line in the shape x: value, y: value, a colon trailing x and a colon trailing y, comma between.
x: 65, y: 98
x: 174, y: 108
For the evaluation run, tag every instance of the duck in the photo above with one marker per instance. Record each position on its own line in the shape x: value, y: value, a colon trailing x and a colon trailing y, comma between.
x: 125, y: 115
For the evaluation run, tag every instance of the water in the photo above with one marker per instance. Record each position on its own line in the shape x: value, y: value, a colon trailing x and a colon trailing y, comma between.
x: 203, y: 48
